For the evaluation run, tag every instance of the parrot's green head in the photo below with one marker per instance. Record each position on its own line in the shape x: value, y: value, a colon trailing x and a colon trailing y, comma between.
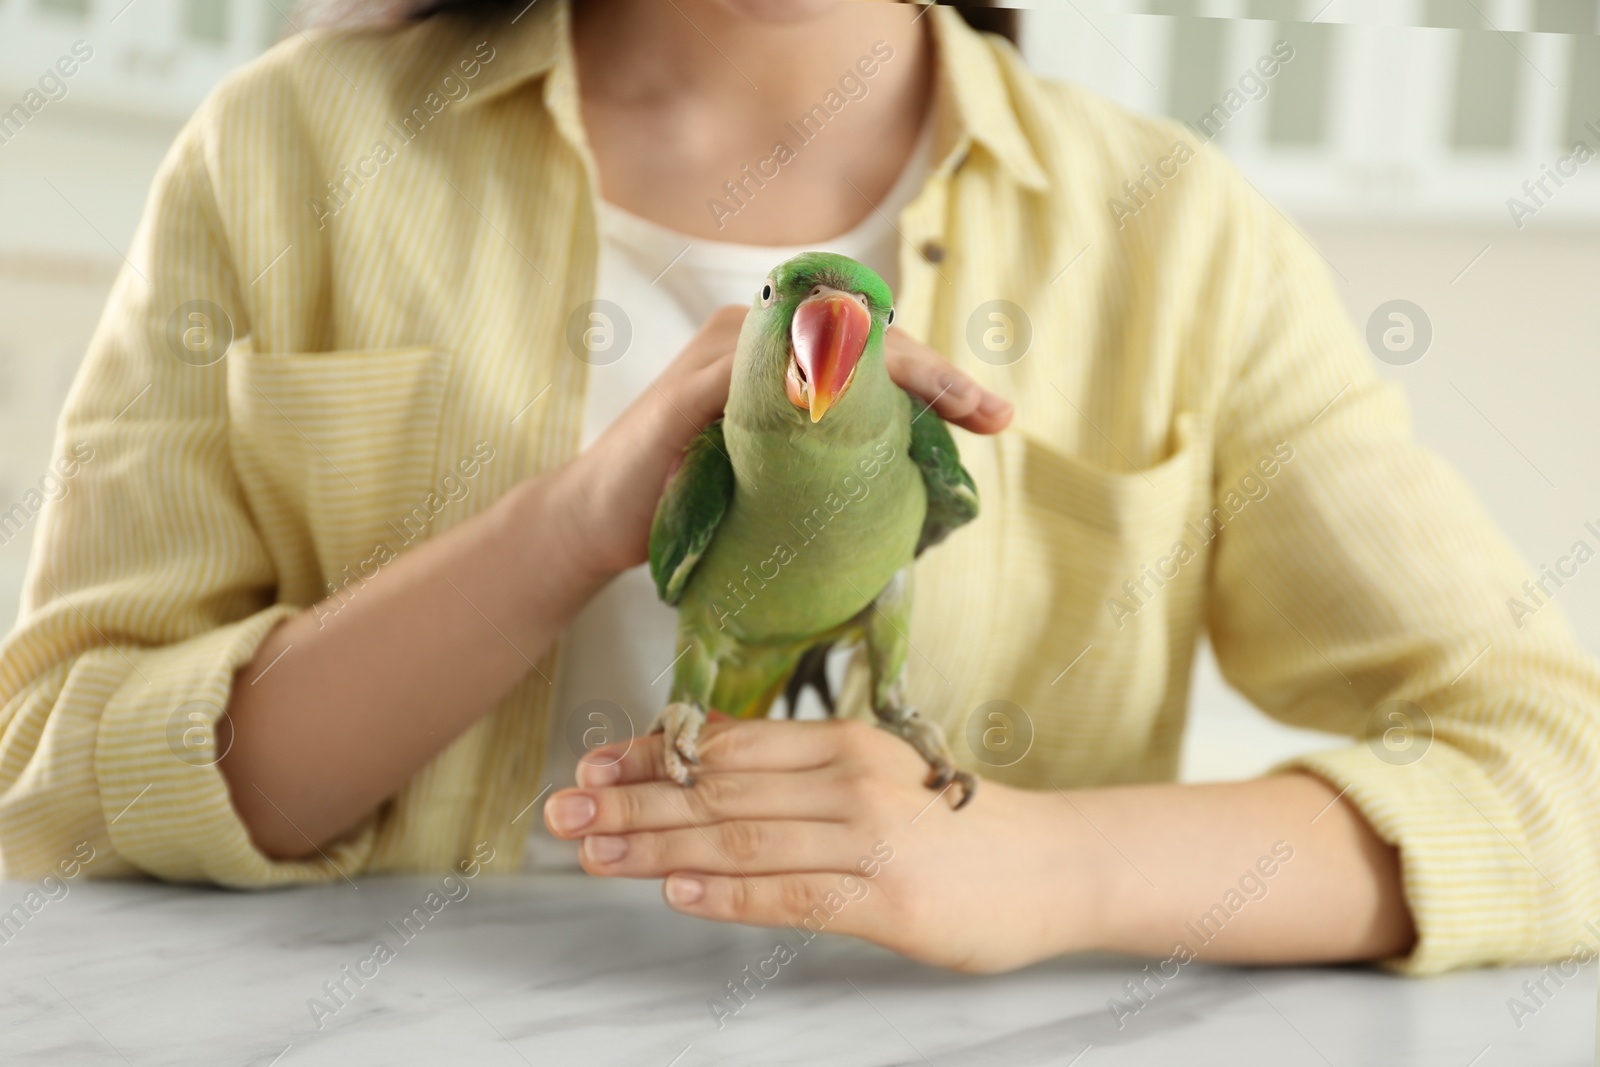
x: 817, y: 328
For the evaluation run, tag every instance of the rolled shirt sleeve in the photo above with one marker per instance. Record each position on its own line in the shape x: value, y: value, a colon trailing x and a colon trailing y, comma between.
x: 1370, y: 594
x: 149, y: 585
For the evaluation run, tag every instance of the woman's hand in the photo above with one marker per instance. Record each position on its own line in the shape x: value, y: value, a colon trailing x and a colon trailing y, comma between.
x: 955, y: 397
x: 828, y: 826
x: 607, y: 496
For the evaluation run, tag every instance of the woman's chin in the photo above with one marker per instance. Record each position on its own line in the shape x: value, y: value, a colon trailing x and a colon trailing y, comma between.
x: 779, y: 10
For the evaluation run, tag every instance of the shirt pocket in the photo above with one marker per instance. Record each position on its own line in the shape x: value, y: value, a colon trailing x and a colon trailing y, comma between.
x: 337, y: 454
x: 1102, y: 604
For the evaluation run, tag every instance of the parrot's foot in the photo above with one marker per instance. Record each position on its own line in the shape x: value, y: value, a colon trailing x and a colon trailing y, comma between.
x: 928, y: 740
x: 679, y: 724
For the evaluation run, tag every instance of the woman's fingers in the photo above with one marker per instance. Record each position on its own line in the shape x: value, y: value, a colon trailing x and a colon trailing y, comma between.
x: 608, y: 493
x: 736, y: 847
x: 817, y: 901
x: 824, y: 795
x: 700, y: 377
x: 611, y: 489
x: 729, y: 745
x: 954, y: 396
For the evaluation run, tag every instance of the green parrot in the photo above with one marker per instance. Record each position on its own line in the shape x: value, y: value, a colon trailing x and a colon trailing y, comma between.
x: 791, y: 524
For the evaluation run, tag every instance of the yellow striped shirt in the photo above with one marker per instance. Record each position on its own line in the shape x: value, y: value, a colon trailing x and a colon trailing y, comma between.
x: 343, y: 328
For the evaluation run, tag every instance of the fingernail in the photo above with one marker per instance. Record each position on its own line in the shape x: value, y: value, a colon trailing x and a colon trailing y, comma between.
x: 571, y: 813
x: 603, y: 849
x: 683, y: 891
x: 598, y: 772
x: 993, y: 404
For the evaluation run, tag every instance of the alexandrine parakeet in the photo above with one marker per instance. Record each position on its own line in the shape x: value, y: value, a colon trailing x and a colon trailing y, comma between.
x: 792, y: 523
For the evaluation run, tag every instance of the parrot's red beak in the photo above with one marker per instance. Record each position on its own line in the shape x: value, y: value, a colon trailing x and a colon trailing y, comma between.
x: 829, y: 333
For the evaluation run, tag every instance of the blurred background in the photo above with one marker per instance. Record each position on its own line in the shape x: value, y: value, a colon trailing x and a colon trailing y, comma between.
x: 1428, y: 148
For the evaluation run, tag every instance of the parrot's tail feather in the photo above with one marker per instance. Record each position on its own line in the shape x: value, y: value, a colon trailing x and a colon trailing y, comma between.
x: 812, y: 670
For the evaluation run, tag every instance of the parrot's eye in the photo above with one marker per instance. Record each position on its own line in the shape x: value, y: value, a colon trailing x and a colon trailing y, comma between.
x: 766, y: 295
x: 890, y: 320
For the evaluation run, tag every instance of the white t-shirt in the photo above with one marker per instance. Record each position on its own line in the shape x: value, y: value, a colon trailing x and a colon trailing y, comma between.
x: 618, y: 652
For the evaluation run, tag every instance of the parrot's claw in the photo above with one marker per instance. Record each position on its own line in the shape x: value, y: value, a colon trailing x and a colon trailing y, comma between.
x: 928, y: 740
x: 969, y: 785
x: 679, y: 724
x: 943, y: 775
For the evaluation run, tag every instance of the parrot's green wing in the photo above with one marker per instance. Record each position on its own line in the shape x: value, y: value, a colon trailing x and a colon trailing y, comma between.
x: 692, y: 505
x: 952, y: 496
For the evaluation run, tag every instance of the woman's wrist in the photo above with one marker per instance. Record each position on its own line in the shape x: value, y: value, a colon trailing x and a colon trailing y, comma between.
x: 1054, y: 878
x: 538, y: 532
x: 1107, y: 890
x: 1081, y: 878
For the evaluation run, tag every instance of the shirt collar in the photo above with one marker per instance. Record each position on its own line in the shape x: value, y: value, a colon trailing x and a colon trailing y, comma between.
x: 974, y: 99
x: 535, y: 41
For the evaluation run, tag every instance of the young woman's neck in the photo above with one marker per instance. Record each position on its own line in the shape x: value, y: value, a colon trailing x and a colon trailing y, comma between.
x: 679, y: 97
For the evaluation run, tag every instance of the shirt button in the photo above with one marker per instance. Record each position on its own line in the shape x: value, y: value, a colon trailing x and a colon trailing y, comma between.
x: 933, y: 251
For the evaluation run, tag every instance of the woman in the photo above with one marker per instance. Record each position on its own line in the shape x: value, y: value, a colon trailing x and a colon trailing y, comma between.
x: 362, y: 451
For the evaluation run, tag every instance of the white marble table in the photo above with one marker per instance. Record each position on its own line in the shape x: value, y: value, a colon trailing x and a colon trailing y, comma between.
x: 562, y: 969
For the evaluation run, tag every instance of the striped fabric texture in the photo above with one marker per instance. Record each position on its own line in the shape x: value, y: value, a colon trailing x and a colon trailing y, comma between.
x: 353, y: 285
